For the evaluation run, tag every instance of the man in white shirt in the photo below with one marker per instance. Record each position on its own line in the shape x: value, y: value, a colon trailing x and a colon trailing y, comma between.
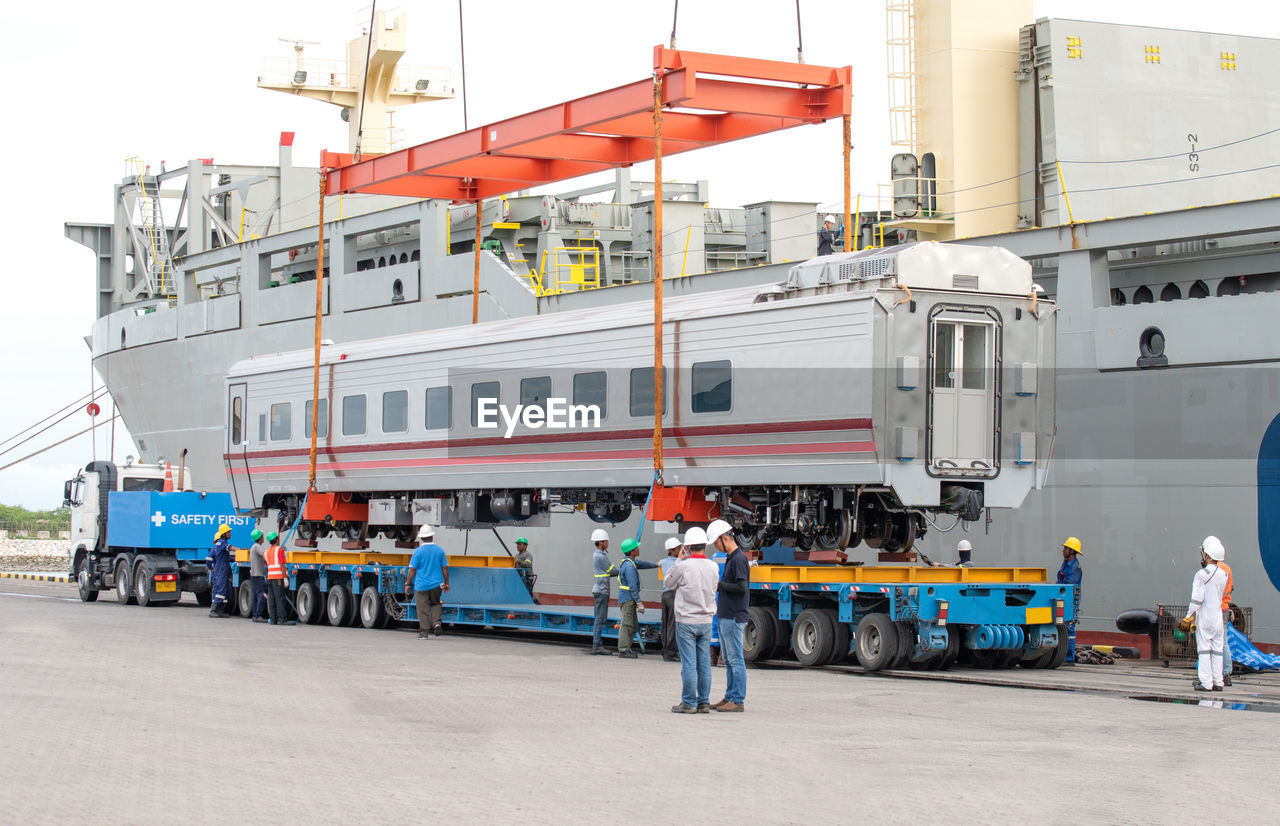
x: 694, y: 578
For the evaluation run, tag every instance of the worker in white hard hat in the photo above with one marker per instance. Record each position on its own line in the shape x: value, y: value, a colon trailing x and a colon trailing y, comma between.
x: 673, y: 546
x: 694, y: 580
x: 828, y: 236
x: 602, y: 571
x: 1207, y: 587
x: 427, y: 581
x: 733, y: 598
x: 965, y: 550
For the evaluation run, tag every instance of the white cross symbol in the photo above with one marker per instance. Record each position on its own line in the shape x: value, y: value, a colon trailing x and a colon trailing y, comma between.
x: 158, y: 519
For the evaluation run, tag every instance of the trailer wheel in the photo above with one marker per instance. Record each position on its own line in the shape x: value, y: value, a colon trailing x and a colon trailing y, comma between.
x: 952, y: 653
x: 244, y: 598
x: 124, y: 583
x: 877, y: 640
x: 781, y: 638
x: 87, y: 592
x: 906, y: 644
x: 840, y: 647
x: 338, y: 606
x: 372, y: 614
x: 757, y: 637
x: 311, y: 606
x: 1058, y: 655
x: 142, y: 582
x: 813, y: 636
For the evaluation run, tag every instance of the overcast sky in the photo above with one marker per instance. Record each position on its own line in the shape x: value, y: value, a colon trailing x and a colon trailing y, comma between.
x: 91, y: 84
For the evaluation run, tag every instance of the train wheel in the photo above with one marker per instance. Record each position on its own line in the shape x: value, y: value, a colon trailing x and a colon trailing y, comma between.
x: 338, y: 606
x: 87, y: 592
x: 372, y: 614
x: 124, y: 583
x: 813, y: 635
x: 877, y: 641
x: 748, y: 538
x: 757, y: 637
x: 902, y: 533
x: 352, y: 531
x: 835, y: 535
x: 307, y: 530
x: 310, y: 603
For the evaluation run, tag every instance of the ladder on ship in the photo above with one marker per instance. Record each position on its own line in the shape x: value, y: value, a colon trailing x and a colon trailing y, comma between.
x: 156, y: 238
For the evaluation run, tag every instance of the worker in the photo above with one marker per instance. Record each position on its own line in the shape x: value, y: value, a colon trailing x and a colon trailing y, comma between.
x: 673, y: 546
x: 964, y: 548
x: 1071, y: 574
x: 1227, y: 662
x: 219, y: 562
x: 524, y: 563
x: 694, y: 579
x: 629, y: 604
x: 828, y: 236
x: 258, y: 576
x: 1207, y: 588
x: 732, y: 600
x: 602, y: 569
x: 428, y: 581
x: 277, y: 581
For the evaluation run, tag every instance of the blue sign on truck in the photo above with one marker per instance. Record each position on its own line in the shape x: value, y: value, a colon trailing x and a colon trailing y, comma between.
x: 172, y: 519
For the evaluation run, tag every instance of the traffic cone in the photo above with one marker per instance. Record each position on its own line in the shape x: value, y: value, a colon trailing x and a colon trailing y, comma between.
x: 168, y: 476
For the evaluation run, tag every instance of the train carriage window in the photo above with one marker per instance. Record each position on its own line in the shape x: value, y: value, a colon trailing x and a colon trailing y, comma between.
x: 237, y: 417
x: 944, y: 343
x: 712, y: 387
x: 535, y: 391
x: 322, y: 425
x: 487, y: 390
x: 439, y: 408
x: 395, y: 411
x: 642, y: 391
x: 974, y: 371
x: 281, y: 422
x: 353, y: 415
x: 592, y: 388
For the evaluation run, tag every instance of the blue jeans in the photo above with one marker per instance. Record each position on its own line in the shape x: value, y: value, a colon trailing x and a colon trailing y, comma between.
x: 694, y: 642
x: 735, y: 666
x: 258, y: 605
x: 601, y: 617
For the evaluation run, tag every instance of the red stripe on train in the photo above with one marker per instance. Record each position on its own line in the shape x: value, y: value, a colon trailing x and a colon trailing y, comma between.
x: 580, y: 456
x: 813, y: 426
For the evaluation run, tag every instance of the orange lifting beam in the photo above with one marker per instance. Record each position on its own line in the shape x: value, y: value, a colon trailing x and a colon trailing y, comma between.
x: 707, y: 99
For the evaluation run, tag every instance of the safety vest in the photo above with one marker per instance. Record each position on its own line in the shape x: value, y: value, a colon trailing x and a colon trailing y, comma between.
x: 275, y: 562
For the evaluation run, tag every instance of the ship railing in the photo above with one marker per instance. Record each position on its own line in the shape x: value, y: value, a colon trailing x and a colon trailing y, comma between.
x: 321, y: 73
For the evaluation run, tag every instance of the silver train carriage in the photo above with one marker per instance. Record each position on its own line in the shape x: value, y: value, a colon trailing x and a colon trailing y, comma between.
x: 859, y: 401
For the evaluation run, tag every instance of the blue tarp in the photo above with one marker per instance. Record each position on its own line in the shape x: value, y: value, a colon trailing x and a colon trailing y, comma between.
x: 1244, y: 652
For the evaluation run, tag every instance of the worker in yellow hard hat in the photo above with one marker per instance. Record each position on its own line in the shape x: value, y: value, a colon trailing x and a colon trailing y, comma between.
x: 1071, y: 574
x: 219, y: 562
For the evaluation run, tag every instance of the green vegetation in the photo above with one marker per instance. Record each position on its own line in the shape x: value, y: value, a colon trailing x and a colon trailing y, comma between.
x: 21, y: 522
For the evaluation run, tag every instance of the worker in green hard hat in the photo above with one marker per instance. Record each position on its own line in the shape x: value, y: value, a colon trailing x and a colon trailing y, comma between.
x: 258, y: 576
x: 629, y: 603
x: 524, y: 563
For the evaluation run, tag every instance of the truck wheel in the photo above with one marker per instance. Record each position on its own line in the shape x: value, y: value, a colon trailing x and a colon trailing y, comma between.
x: 1058, y: 655
x: 87, y: 592
x: 781, y: 638
x: 124, y: 583
x: 244, y: 598
x: 142, y: 582
x: 310, y: 603
x: 757, y: 637
x: 372, y: 613
x: 813, y: 636
x: 840, y: 648
x: 338, y: 606
x: 952, y: 653
x: 877, y: 641
x: 204, y: 598
x: 906, y: 644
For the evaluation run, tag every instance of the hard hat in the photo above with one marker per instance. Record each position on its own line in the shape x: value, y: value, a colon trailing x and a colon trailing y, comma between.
x: 520, y: 540
x: 964, y: 545
x: 426, y: 532
x: 1212, y: 547
x: 830, y: 219
x: 256, y: 535
x: 273, y: 536
x: 223, y: 528
x: 1073, y: 544
x: 599, y: 535
x: 695, y: 536
x: 629, y: 545
x: 718, y: 529
x: 672, y: 542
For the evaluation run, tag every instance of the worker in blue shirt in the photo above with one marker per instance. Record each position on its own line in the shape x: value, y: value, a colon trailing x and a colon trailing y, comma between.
x: 1071, y: 574
x: 829, y: 237
x: 219, y: 562
x: 428, y: 579
x: 602, y: 570
x: 629, y: 604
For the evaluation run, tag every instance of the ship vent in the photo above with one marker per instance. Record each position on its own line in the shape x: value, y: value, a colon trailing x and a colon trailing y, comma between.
x: 964, y: 282
x: 874, y: 267
x: 847, y: 271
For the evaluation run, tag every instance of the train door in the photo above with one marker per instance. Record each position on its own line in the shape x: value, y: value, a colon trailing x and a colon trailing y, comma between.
x: 962, y: 425
x: 238, y: 445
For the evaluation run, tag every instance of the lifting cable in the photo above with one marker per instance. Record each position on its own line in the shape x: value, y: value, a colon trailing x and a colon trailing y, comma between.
x: 644, y: 514
x: 800, y: 40
x: 462, y: 48
x: 675, y: 15
x: 368, y: 50
x: 66, y: 413
x: 91, y: 427
x: 315, y: 369
x: 657, y: 272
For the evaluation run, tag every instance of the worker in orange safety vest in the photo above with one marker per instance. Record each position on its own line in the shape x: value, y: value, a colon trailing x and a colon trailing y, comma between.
x: 277, y: 582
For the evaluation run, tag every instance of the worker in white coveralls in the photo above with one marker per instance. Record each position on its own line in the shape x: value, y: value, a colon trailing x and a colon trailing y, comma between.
x: 1206, y: 606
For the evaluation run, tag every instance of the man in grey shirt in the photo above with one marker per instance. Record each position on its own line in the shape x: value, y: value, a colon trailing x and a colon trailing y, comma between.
x: 258, y: 576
